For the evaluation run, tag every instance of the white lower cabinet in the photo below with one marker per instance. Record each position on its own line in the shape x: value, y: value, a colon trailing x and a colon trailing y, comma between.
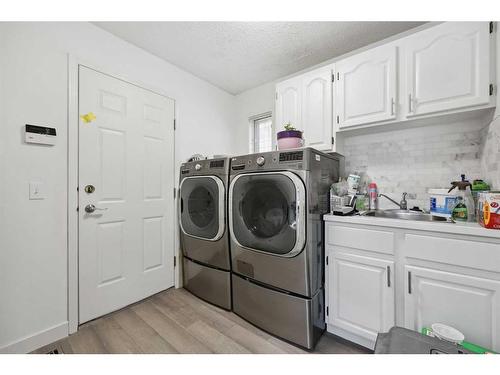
x: 379, y: 277
x: 361, y: 296
x: 470, y: 304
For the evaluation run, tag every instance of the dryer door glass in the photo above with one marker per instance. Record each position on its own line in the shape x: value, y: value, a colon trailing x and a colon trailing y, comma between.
x: 201, y: 198
x: 264, y: 212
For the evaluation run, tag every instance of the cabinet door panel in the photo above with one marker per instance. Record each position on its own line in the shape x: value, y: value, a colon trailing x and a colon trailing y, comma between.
x: 366, y: 87
x: 317, y: 109
x: 470, y: 304
x: 361, y: 294
x: 288, y: 103
x: 448, y: 67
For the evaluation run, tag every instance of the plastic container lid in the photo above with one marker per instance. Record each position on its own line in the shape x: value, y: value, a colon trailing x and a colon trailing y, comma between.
x: 448, y: 333
x: 441, y: 192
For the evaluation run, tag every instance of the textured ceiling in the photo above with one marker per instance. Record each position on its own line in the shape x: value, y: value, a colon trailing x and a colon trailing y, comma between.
x: 237, y: 56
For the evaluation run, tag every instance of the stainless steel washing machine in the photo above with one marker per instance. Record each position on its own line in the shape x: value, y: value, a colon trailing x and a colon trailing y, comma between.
x: 204, y: 233
x: 276, y: 203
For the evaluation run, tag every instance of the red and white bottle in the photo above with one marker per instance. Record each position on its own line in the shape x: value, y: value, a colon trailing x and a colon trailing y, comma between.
x: 372, y: 196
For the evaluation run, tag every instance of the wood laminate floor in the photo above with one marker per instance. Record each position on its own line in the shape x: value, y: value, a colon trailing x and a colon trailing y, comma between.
x: 175, y: 321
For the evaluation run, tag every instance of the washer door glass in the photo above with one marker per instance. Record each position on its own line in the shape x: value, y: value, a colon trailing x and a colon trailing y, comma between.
x: 200, y: 207
x: 264, y: 212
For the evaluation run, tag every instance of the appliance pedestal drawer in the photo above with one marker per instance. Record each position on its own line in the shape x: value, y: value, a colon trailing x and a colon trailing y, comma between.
x: 209, y: 284
x: 296, y: 319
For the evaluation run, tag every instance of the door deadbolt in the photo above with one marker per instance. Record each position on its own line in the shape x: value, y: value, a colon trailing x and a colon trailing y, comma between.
x: 89, y: 189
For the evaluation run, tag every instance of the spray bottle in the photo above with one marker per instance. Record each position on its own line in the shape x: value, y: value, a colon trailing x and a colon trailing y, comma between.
x: 464, y: 208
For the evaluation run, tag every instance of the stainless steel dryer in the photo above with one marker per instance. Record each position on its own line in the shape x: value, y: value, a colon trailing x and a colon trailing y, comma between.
x: 276, y: 203
x: 204, y: 234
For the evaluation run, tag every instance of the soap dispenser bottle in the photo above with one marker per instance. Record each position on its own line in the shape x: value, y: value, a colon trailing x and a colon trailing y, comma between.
x: 464, y: 207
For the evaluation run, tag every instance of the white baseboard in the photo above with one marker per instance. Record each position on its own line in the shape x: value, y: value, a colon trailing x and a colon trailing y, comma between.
x: 370, y: 344
x: 29, y: 343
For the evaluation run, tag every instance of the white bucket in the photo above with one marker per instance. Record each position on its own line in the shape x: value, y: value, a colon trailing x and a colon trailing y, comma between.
x: 441, y: 202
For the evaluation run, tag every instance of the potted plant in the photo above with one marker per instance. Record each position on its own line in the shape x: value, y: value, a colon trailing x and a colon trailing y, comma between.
x: 289, y: 138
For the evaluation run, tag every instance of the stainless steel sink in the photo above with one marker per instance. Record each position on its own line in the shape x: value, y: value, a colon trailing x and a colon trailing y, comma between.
x: 405, y: 215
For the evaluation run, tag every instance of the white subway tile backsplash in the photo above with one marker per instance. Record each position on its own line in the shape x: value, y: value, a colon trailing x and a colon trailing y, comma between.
x: 416, y: 159
x: 490, y: 160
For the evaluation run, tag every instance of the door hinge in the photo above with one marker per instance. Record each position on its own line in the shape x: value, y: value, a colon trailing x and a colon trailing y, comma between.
x: 491, y: 27
x: 175, y: 261
x: 492, y: 89
x: 327, y: 311
x: 327, y: 261
x: 175, y: 124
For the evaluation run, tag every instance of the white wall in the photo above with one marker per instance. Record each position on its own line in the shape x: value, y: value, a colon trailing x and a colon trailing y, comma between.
x: 33, y: 90
x: 251, y: 103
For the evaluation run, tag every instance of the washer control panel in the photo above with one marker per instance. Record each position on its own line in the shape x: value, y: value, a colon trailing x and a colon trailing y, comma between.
x: 216, y: 166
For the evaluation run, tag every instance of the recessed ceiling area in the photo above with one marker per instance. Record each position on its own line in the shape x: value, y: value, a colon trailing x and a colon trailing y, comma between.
x: 237, y: 56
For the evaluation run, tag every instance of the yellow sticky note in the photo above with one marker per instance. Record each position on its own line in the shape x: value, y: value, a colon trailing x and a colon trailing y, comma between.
x: 89, y: 117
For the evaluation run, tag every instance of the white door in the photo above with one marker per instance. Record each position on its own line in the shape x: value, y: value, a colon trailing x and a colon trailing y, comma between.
x: 470, y: 304
x: 288, y: 103
x: 361, y: 294
x: 127, y: 154
x: 366, y: 87
x: 447, y: 67
x: 317, y: 109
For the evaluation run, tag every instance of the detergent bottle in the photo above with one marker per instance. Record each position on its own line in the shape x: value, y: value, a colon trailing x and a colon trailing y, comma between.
x: 464, y: 209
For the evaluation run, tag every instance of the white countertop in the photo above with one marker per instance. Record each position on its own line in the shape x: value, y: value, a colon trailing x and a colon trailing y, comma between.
x: 469, y: 229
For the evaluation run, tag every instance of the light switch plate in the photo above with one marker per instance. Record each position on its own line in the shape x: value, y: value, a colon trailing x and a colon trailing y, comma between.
x: 37, y: 190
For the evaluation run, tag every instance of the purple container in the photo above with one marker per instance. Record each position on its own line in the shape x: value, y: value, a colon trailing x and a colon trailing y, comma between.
x: 288, y: 139
x: 290, y: 134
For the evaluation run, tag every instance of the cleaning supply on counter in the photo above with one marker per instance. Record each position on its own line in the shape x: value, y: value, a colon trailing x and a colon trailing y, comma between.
x: 489, y: 209
x: 353, y: 184
x: 338, y: 195
x: 442, y: 202
x: 361, y: 202
x: 372, y: 196
x: 339, y: 188
x: 478, y: 186
x: 464, y: 209
x: 459, y: 212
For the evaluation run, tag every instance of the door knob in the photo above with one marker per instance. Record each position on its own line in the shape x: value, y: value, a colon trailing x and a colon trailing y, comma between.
x: 89, y: 208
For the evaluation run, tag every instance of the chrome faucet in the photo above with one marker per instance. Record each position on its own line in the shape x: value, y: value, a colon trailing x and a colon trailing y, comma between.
x: 403, y: 204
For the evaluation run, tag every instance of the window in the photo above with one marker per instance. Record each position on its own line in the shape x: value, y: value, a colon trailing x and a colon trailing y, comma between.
x: 261, y: 137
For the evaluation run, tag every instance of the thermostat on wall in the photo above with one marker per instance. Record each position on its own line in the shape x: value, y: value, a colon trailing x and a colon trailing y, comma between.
x: 40, y: 134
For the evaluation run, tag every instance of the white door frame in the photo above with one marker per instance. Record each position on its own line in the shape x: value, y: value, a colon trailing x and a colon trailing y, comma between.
x: 73, y: 142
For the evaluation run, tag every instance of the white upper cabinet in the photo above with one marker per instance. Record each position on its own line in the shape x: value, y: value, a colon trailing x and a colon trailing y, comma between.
x: 317, y: 108
x: 444, y: 69
x: 366, y: 87
x: 306, y: 103
x: 288, y: 103
x: 447, y: 67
